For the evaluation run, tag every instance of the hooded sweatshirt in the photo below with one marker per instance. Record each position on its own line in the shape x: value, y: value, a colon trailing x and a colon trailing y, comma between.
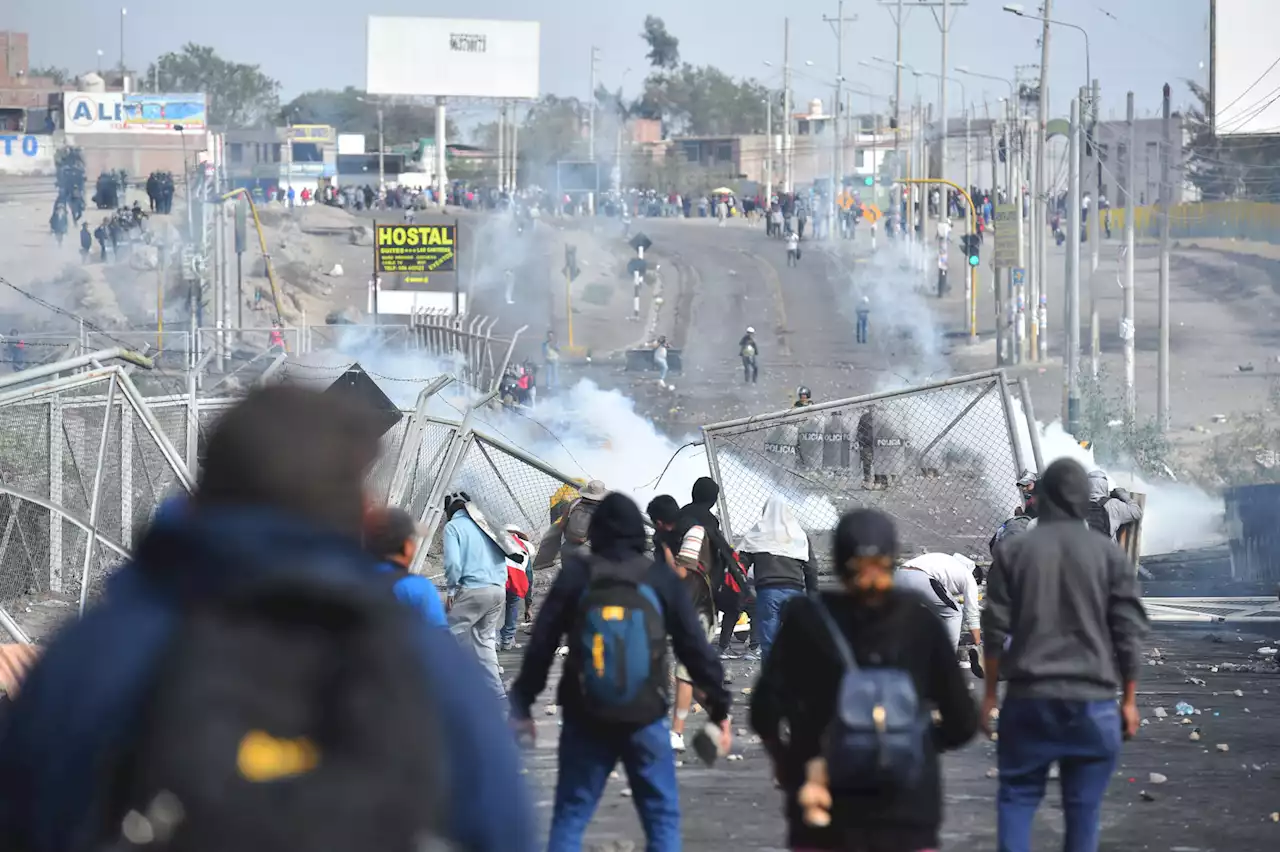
x: 617, y: 535
x: 86, y: 693
x: 1120, y: 510
x: 778, y: 549
x: 1066, y: 599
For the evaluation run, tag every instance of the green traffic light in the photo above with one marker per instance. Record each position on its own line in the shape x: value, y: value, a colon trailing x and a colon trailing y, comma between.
x: 868, y: 180
x: 973, y: 260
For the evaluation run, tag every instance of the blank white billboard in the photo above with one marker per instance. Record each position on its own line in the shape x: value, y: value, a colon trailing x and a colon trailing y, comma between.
x: 1246, y: 72
x: 452, y: 57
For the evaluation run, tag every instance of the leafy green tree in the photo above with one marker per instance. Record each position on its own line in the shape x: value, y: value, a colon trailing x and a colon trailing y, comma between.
x: 59, y: 76
x: 239, y: 95
x: 664, y: 48
x: 353, y: 111
x: 704, y: 101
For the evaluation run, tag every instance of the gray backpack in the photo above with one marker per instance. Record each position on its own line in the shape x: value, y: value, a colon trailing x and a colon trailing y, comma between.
x: 578, y: 522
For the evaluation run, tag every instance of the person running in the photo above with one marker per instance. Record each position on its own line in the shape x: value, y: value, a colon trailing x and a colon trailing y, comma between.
x: 793, y: 248
x: 391, y: 536
x: 870, y: 625
x: 601, y: 725
x: 1062, y: 624
x: 777, y: 549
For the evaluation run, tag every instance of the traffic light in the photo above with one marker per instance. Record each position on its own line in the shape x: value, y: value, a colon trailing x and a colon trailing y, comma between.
x: 969, y: 244
x: 868, y: 181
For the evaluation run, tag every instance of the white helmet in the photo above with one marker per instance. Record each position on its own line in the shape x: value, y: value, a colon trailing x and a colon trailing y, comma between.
x: 750, y: 330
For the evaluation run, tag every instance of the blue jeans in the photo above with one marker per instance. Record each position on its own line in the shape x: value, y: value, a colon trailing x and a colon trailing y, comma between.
x: 551, y: 374
x: 662, y: 368
x: 863, y: 319
x: 1083, y: 737
x: 769, y: 603
x: 587, y: 757
x: 512, y: 619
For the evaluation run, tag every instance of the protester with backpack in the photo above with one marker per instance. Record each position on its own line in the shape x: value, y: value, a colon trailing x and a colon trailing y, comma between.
x: 250, y: 671
x: 475, y: 575
x: 1063, y: 624
x: 853, y: 677
x: 1109, y: 509
x: 615, y: 607
x: 391, y: 536
x: 569, y: 532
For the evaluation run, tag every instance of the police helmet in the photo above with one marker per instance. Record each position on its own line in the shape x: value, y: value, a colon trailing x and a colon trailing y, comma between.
x: 802, y: 392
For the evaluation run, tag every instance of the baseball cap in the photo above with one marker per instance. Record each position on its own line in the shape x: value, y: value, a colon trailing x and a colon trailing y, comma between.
x: 865, y: 533
x: 1027, y: 479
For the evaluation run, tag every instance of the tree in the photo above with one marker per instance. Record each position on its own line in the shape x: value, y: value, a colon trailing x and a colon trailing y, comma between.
x: 353, y: 111
x: 704, y: 101
x: 664, y: 48
x: 59, y: 76
x: 239, y: 95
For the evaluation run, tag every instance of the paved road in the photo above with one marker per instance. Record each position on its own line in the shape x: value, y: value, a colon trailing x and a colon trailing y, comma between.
x: 1212, y: 802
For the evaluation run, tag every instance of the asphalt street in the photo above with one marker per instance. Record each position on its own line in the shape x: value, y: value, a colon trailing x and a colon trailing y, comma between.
x: 1212, y: 799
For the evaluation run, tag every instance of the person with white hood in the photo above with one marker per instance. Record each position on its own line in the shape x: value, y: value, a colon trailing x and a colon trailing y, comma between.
x: 945, y: 579
x: 778, y: 549
x: 1109, y: 509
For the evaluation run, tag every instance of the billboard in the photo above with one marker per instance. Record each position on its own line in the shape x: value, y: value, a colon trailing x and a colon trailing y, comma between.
x: 350, y: 143
x: 26, y: 154
x: 449, y: 57
x: 113, y: 112
x: 1245, y: 77
x: 416, y: 250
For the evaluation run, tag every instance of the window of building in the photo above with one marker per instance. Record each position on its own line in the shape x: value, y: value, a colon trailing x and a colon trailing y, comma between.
x: 236, y: 152
x: 860, y: 159
x: 275, y: 152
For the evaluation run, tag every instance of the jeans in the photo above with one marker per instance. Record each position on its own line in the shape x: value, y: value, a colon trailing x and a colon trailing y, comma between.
x: 552, y: 374
x: 863, y: 322
x: 1083, y: 737
x: 769, y: 603
x: 662, y: 368
x: 750, y: 370
x: 512, y: 618
x: 586, y: 757
x: 474, y: 619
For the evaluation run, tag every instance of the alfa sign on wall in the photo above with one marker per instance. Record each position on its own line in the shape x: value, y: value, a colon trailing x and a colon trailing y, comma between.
x: 112, y: 112
x: 26, y: 154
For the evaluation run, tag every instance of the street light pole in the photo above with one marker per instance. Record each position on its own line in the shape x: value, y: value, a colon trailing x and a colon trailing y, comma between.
x: 382, y: 147
x: 123, y: 13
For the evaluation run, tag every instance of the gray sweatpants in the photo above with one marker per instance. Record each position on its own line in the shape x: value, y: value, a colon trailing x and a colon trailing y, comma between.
x: 474, y: 619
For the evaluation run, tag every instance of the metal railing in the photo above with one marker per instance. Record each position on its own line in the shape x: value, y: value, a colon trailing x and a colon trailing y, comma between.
x: 941, y: 458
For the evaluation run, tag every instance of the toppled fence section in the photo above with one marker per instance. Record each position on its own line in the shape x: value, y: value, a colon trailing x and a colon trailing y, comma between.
x: 941, y: 458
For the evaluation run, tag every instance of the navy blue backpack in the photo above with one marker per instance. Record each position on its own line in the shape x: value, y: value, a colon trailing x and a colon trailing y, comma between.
x: 619, y: 644
x: 876, y: 739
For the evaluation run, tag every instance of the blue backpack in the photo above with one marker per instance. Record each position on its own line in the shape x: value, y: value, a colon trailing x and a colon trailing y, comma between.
x: 619, y: 644
x: 876, y: 739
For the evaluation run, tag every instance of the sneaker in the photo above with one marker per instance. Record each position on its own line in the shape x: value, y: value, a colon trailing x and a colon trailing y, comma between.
x: 677, y: 741
x: 752, y: 656
x: 509, y: 645
x: 726, y: 654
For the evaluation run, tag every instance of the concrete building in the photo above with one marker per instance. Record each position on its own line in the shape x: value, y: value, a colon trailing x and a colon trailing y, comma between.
x: 1113, y: 148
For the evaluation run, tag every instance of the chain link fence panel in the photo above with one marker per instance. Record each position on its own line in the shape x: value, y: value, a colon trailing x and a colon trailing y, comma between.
x: 941, y: 459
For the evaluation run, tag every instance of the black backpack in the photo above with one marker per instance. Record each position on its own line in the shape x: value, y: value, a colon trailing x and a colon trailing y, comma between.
x: 619, y: 644
x: 286, y: 716
x: 1097, y: 518
x: 876, y: 738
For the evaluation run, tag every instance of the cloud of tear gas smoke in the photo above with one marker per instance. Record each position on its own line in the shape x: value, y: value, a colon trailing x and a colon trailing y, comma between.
x: 1177, y: 516
x: 499, y: 245
x: 901, y: 314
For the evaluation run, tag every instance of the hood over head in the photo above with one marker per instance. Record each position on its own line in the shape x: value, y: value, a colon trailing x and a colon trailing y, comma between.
x: 617, y: 528
x: 777, y: 532
x: 1063, y: 492
x: 705, y: 492
x: 1099, y: 486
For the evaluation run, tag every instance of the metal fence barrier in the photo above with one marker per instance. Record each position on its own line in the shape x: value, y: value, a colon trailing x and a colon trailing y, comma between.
x: 942, y: 458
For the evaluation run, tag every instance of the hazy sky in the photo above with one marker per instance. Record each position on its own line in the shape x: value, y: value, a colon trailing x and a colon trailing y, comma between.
x: 320, y: 43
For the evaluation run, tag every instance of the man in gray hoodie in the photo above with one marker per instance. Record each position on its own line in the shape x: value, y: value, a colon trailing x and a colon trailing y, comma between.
x: 1109, y: 509
x: 1063, y: 623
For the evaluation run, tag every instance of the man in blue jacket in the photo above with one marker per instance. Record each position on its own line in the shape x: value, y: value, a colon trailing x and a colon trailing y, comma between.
x: 391, y: 536
x: 280, y: 494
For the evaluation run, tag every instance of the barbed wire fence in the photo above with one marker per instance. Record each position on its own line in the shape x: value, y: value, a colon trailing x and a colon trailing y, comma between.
x: 941, y: 458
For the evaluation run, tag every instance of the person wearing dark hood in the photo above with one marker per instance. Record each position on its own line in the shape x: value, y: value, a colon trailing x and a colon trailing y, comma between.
x: 1109, y: 509
x: 868, y: 630
x: 1063, y: 624
x: 701, y: 559
x: 606, y: 720
x: 276, y: 514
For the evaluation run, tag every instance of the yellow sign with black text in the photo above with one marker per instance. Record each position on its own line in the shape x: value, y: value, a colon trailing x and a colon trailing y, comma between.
x: 416, y: 249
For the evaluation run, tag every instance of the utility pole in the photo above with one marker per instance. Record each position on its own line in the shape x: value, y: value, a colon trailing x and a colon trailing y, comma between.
x: 1039, y: 208
x: 591, y: 125
x: 1003, y: 349
x: 382, y: 147
x: 945, y: 128
x: 1095, y: 237
x: 897, y: 114
x: 515, y: 150
x: 768, y: 152
x: 1166, y: 197
x: 786, y: 106
x: 1072, y: 373
x: 502, y: 155
x: 1127, y: 330
x: 837, y: 184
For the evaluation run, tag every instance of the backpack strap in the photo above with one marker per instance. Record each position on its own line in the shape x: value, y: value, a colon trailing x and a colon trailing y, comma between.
x: 837, y: 636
